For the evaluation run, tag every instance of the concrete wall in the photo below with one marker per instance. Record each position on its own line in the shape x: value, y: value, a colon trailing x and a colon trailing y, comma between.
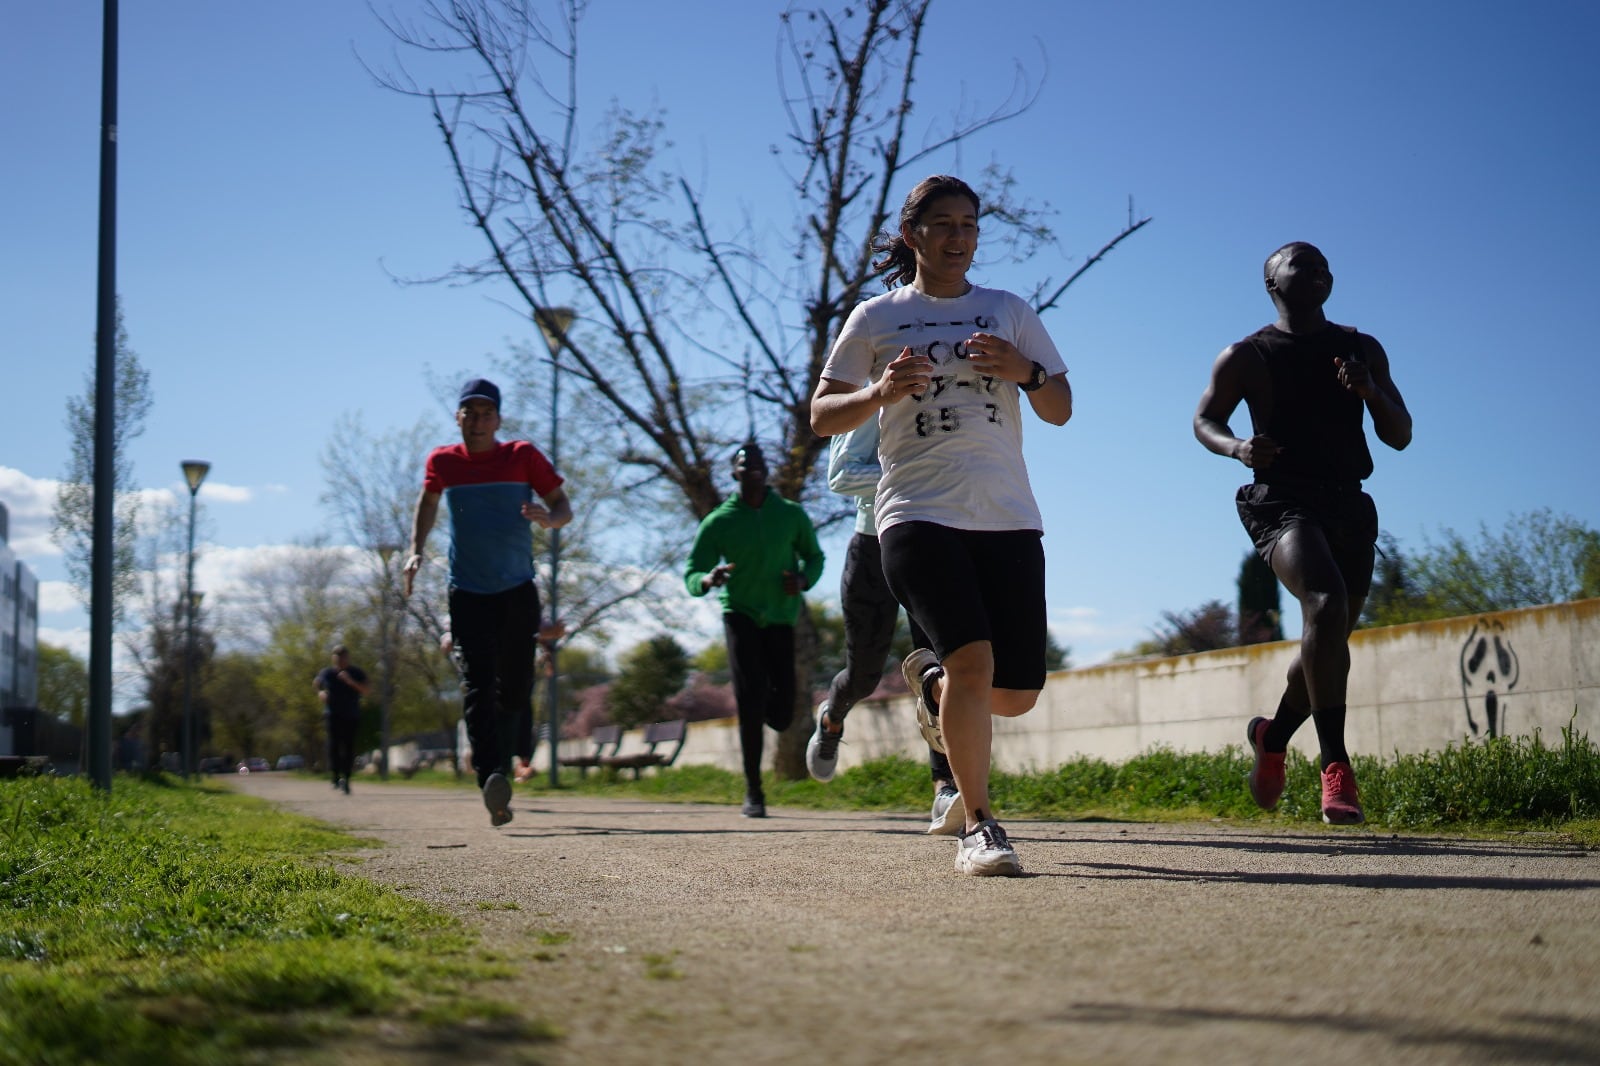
x: 1412, y: 689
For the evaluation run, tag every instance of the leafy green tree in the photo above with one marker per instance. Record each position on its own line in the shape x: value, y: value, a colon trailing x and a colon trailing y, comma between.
x: 72, y: 524
x: 712, y: 661
x: 829, y: 626
x: 301, y: 599
x: 1393, y: 596
x: 1204, y: 628
x: 581, y: 668
x: 242, y: 719
x: 1539, y: 557
x: 159, y: 642
x: 649, y: 674
x: 63, y: 683
x: 1057, y: 656
x: 1260, y: 611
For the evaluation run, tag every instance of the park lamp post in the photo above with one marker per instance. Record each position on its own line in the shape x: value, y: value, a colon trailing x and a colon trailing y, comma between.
x: 553, y: 323
x: 194, y: 472
x: 386, y: 552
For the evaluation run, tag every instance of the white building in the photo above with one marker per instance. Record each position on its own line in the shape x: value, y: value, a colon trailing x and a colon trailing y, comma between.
x: 19, y: 634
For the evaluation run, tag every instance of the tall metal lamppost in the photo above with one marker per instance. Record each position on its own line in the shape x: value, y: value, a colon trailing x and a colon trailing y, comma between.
x: 386, y: 552
x: 194, y: 472
x: 553, y: 323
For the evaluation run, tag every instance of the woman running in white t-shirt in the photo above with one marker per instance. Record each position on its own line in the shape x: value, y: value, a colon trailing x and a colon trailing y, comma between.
x: 943, y: 365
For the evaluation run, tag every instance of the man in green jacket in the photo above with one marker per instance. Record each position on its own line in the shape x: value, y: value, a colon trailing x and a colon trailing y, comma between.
x: 760, y: 551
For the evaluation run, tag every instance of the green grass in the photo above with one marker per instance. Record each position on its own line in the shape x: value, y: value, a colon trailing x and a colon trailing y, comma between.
x: 182, y: 924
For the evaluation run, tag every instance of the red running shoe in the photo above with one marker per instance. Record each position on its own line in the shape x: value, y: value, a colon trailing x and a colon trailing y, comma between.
x: 1341, y: 805
x: 1266, y: 776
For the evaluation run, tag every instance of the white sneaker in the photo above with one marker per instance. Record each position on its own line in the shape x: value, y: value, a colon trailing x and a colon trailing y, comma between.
x: 822, y: 750
x: 949, y: 813
x: 918, y: 663
x: 985, y: 852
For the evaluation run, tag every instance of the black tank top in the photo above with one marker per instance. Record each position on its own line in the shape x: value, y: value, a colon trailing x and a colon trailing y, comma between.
x: 1315, y: 420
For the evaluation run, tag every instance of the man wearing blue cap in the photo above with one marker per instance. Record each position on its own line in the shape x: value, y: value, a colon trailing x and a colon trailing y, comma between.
x: 495, y: 490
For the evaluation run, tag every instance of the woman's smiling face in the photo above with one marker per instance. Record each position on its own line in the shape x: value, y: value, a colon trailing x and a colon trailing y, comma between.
x: 944, y: 239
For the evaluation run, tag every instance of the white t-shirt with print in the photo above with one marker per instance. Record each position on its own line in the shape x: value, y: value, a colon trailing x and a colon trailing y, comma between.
x: 953, y: 455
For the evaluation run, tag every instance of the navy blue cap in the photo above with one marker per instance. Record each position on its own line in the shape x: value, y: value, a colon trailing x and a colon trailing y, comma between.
x: 480, y: 389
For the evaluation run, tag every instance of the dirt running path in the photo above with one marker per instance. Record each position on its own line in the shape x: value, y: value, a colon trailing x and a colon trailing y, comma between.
x: 696, y: 936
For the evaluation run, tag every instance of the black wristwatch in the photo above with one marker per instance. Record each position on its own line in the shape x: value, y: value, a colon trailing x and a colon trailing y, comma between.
x: 1036, y: 379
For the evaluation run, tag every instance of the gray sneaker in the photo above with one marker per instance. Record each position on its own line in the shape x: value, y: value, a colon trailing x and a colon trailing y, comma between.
x: 822, y: 750
x: 985, y: 852
x: 949, y: 813
x: 497, y: 797
x: 918, y: 663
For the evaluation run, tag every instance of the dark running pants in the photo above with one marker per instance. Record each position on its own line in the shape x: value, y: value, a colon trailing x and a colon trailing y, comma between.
x: 870, y: 611
x: 342, y: 746
x: 761, y: 659
x: 496, y: 637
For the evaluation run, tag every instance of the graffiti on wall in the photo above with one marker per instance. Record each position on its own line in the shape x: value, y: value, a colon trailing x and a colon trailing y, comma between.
x: 1489, y: 671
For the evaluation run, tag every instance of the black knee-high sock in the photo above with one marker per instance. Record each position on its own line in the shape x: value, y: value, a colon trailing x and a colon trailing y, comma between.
x: 1284, y: 722
x: 1330, y: 734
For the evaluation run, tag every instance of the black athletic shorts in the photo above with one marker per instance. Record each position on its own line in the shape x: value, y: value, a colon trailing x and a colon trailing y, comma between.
x: 963, y: 586
x: 1347, y: 517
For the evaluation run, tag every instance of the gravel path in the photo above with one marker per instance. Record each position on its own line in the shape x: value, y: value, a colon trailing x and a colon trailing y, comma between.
x: 687, y: 934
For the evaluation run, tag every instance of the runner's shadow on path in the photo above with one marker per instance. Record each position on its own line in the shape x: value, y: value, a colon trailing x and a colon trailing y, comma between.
x: 767, y: 828
x: 1557, y: 1039
x: 1355, y: 844
x: 1115, y: 871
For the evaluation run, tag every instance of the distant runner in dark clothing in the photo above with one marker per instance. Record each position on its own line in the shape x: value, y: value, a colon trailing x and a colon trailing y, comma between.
x: 340, y: 688
x: 1307, y: 383
x: 759, y: 551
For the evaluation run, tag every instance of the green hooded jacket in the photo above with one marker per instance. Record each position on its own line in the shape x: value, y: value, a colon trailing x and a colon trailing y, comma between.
x: 762, y: 542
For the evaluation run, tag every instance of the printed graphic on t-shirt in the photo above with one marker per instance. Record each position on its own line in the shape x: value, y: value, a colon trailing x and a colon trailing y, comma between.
x: 952, y: 456
x: 955, y: 385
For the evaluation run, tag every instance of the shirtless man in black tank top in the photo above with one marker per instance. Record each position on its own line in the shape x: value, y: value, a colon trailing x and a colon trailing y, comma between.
x: 1306, y: 382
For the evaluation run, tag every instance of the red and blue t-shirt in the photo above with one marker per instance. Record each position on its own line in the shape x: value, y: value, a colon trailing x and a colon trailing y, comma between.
x: 491, y: 544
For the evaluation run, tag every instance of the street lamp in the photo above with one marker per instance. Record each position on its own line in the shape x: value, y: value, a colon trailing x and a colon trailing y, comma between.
x: 553, y: 323
x: 386, y: 552
x: 194, y: 472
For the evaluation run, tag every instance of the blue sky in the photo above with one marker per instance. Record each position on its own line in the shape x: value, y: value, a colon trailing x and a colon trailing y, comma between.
x: 1442, y: 154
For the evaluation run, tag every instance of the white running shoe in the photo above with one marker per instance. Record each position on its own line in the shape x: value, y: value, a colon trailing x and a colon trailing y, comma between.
x: 918, y: 663
x: 949, y: 813
x: 822, y: 750
x: 985, y: 852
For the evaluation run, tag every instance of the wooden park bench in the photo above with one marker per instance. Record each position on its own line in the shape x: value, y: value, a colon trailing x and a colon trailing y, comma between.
x: 656, y: 736
x: 603, y: 737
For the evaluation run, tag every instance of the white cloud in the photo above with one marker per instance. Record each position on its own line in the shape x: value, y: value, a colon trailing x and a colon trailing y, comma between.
x: 177, y: 493
x: 57, y: 597
x: 30, y: 502
x: 1092, y: 637
x: 74, y: 640
x: 222, y: 492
